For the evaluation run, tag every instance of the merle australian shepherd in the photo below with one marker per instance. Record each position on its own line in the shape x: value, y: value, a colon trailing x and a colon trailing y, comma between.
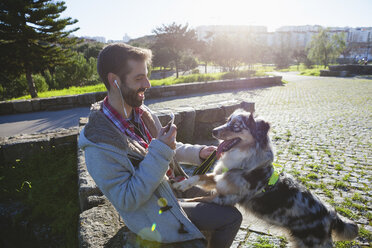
x: 244, y: 175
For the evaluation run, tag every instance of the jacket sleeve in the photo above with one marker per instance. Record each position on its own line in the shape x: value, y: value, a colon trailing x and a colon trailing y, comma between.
x: 188, y: 154
x: 128, y: 188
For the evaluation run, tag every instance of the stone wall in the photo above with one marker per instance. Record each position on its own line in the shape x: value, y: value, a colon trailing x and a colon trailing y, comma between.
x: 346, y: 70
x: 27, y: 145
x: 99, y: 223
x: 63, y: 102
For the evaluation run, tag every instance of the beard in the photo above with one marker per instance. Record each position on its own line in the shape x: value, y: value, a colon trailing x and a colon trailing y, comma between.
x: 131, y: 96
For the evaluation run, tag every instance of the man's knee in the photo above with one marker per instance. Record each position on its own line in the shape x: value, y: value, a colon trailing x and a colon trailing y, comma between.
x: 235, y: 216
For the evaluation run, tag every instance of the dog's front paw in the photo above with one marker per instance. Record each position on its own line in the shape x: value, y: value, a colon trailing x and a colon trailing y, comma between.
x: 183, y: 185
x: 201, y: 199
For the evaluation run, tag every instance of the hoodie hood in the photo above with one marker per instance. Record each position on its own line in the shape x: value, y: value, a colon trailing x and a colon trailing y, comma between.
x: 100, y: 129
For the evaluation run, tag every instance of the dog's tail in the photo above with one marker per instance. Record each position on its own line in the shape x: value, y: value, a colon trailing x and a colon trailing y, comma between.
x: 344, y: 229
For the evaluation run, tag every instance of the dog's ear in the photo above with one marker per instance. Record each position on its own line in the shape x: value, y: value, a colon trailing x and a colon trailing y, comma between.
x: 249, y: 122
x: 262, y: 132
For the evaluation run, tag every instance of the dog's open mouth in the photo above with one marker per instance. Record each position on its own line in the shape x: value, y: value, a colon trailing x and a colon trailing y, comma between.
x: 227, y: 145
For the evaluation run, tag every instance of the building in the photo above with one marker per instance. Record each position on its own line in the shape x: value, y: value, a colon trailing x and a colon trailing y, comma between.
x: 96, y: 38
x: 207, y: 32
x: 359, y: 39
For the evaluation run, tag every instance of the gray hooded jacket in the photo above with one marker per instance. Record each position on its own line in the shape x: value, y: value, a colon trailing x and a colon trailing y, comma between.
x: 138, y: 190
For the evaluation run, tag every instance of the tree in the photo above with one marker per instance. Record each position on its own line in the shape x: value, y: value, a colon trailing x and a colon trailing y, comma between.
x: 227, y: 52
x: 32, y: 37
x: 78, y: 72
x: 204, y: 50
x: 90, y: 49
x: 162, y: 57
x: 252, y: 51
x: 282, y: 52
x: 324, y: 48
x: 177, y: 39
x: 188, y: 62
x: 299, y: 55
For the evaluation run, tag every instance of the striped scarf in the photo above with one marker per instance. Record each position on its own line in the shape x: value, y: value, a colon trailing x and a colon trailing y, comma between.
x: 125, y: 126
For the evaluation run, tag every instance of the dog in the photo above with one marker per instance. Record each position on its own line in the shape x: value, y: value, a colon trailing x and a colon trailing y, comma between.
x: 245, y: 175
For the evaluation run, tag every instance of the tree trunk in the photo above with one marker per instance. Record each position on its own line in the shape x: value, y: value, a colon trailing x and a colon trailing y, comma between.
x: 176, y: 62
x: 31, y: 84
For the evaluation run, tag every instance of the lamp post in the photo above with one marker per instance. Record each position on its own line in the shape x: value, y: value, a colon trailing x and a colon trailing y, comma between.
x: 368, y: 45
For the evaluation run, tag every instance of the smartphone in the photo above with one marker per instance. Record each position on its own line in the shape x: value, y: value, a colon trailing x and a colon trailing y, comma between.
x: 170, y: 123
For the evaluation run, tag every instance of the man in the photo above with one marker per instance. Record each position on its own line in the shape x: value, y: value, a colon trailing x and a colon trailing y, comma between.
x: 132, y: 159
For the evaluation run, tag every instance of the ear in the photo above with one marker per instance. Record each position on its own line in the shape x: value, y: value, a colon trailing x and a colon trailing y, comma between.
x: 249, y: 121
x: 111, y: 78
x: 262, y: 132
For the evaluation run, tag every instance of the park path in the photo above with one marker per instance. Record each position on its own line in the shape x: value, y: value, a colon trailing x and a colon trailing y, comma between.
x: 321, y: 131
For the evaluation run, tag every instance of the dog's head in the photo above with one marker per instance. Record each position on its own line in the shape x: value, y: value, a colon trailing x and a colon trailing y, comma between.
x: 242, y: 131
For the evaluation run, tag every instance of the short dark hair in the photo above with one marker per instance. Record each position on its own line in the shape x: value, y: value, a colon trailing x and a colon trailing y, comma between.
x: 114, y: 58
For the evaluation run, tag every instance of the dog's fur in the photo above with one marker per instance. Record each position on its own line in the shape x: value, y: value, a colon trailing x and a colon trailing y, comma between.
x: 241, y: 177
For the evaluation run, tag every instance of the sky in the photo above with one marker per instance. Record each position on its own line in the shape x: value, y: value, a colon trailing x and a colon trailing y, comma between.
x: 113, y: 19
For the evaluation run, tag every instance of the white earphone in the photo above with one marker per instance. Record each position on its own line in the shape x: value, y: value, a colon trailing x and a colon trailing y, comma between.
x: 116, y: 83
x: 122, y: 98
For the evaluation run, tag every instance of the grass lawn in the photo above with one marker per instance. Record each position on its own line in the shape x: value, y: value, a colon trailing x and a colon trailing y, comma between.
x: 167, y: 81
x: 315, y: 71
x: 46, y: 185
x: 260, y: 70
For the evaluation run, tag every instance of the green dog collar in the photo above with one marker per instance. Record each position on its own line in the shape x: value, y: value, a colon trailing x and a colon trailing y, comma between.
x: 274, y: 177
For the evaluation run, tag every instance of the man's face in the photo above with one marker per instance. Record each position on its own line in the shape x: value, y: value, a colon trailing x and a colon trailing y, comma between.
x: 133, y: 89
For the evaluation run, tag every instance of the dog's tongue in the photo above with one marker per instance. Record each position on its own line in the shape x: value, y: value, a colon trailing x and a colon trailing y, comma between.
x: 225, y: 146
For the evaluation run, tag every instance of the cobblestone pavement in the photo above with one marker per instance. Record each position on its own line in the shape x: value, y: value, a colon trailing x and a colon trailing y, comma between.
x: 321, y: 131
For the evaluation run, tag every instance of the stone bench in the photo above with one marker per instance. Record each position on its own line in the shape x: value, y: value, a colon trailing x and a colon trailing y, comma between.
x: 101, y: 226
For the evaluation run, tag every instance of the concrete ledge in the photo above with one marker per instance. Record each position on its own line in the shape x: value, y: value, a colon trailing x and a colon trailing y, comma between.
x: 346, y: 70
x: 353, y: 69
x: 328, y: 73
x: 64, y: 102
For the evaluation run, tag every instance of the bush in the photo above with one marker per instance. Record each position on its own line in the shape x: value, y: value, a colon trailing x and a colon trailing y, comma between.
x: 50, y: 80
x: 195, y: 71
x: 13, y: 87
x: 40, y: 83
x: 19, y: 86
x: 79, y: 72
x: 238, y: 74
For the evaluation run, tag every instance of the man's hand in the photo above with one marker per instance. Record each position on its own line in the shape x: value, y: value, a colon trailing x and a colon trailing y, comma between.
x: 167, y: 135
x: 206, y: 151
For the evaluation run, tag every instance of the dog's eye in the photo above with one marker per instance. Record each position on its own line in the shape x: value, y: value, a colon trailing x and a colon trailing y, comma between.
x: 237, y: 127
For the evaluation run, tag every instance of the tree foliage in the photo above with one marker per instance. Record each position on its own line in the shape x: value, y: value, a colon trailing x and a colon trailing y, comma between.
x: 226, y: 52
x: 299, y: 55
x: 172, y: 41
x: 204, y: 50
x: 33, y: 38
x: 78, y: 72
x: 325, y: 47
x: 89, y: 49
